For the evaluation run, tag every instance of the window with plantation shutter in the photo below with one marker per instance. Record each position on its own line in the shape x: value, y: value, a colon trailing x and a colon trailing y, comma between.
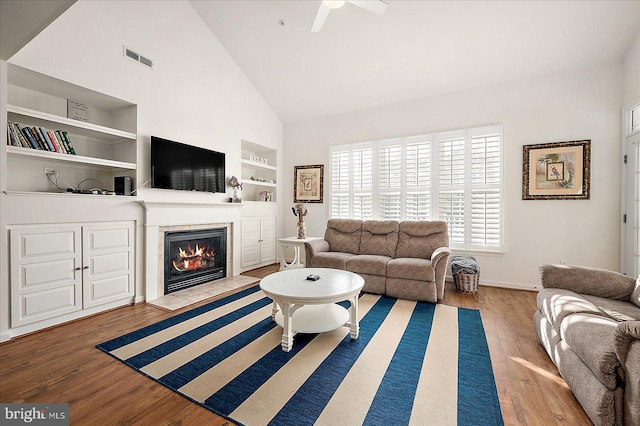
x: 456, y: 177
x: 451, y: 210
x: 362, y: 182
x: 340, y: 184
x: 418, y: 178
x: 389, y: 180
x: 486, y: 194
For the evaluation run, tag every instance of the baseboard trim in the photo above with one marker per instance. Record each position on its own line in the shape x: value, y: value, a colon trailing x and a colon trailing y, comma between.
x: 511, y: 286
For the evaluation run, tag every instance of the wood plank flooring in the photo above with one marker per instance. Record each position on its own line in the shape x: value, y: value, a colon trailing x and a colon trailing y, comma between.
x: 62, y: 365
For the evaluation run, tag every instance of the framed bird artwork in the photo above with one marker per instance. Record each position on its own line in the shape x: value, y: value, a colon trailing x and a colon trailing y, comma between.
x: 557, y: 171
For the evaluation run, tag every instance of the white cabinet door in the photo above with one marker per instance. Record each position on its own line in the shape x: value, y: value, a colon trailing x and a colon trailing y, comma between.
x: 259, y: 241
x: 250, y: 241
x: 46, y: 272
x: 108, y: 252
x: 268, y: 239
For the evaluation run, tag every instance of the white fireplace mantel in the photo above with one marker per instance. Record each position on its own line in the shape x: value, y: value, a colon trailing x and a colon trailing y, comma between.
x: 163, y: 214
x: 166, y: 213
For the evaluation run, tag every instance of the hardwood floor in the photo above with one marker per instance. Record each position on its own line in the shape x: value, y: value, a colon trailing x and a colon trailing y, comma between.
x: 62, y: 365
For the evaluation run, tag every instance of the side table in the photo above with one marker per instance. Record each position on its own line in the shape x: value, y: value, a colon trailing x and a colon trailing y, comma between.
x: 296, y: 243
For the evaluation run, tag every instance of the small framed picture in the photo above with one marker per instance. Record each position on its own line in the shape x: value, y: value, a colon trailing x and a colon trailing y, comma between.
x: 557, y: 171
x: 77, y: 110
x: 308, y: 184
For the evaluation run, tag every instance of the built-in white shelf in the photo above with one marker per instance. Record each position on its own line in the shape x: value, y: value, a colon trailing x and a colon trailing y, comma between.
x: 70, y: 195
x: 68, y: 158
x: 82, y: 128
x: 250, y: 163
x: 258, y: 202
x: 258, y: 183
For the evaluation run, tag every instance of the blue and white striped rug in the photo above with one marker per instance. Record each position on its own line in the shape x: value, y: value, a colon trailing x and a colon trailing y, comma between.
x: 413, y: 363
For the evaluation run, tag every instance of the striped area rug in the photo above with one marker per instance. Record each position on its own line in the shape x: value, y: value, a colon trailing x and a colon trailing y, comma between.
x: 413, y: 363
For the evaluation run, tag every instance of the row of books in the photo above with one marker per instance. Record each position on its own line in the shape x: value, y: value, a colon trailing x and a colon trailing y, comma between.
x: 39, y: 138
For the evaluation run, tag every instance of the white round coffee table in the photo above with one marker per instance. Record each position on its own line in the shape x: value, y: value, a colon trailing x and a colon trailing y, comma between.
x: 313, y: 302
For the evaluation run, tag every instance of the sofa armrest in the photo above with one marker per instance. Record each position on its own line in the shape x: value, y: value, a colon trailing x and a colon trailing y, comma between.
x: 441, y: 253
x: 313, y: 247
x: 439, y: 259
x: 627, y: 337
x: 591, y: 281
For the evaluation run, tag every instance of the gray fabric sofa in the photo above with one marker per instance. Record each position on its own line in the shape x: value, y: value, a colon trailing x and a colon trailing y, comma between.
x: 405, y: 259
x: 588, y: 320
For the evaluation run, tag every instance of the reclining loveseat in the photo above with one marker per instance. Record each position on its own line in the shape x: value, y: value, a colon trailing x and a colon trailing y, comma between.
x: 588, y: 321
x: 406, y: 259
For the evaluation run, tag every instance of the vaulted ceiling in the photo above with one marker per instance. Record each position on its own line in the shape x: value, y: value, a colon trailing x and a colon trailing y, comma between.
x: 360, y: 60
x: 416, y: 49
x: 22, y: 20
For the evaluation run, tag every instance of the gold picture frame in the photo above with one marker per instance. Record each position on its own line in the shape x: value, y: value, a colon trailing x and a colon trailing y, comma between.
x: 308, y: 184
x: 557, y: 171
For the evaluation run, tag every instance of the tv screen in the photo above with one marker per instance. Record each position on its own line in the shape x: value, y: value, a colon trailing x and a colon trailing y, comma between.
x: 184, y: 167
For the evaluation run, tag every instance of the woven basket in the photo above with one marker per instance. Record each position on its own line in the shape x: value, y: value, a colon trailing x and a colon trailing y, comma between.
x: 466, y: 283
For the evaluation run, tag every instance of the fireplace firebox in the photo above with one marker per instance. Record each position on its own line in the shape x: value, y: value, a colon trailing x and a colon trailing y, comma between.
x: 194, y: 257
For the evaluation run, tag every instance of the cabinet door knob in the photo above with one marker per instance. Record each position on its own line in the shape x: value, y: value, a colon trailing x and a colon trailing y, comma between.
x: 78, y: 268
x: 86, y: 267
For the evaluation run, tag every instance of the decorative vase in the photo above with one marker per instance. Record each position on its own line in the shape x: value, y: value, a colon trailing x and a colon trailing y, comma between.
x: 302, y: 231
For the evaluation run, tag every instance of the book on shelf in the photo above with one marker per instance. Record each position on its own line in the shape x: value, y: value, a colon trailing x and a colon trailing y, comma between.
x: 59, y: 144
x: 39, y: 138
x: 55, y: 142
x: 21, y: 137
x: 29, y: 136
x: 10, y: 138
x: 60, y: 138
x: 45, y: 139
x: 14, y: 138
x: 68, y: 139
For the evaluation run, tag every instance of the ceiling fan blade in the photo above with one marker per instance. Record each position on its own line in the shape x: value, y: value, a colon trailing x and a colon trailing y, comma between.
x: 377, y: 6
x: 323, y: 12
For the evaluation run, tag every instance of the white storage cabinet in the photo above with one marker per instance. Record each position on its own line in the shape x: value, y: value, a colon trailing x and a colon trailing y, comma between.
x: 259, y: 241
x: 59, y: 268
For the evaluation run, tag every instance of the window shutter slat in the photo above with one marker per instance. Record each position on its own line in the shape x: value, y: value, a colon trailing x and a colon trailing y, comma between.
x: 451, y: 162
x: 418, y: 165
x: 390, y: 166
x: 418, y: 206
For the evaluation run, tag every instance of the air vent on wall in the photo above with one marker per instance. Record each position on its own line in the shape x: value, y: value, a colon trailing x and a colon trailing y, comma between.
x: 129, y: 53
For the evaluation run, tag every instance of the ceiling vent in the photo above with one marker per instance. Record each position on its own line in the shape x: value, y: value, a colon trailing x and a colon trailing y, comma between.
x: 132, y: 54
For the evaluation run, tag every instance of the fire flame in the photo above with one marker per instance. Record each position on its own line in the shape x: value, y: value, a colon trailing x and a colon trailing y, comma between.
x: 190, y: 259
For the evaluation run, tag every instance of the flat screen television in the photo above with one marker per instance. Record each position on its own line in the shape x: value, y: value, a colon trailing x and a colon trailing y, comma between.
x: 184, y: 167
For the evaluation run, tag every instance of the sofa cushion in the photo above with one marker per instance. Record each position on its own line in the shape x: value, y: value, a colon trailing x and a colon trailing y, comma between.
x: 343, y: 235
x: 412, y: 290
x: 583, y: 280
x: 616, y: 309
x: 330, y: 259
x: 592, y: 339
x: 555, y: 304
x: 376, y: 284
x: 411, y: 269
x: 368, y: 264
x: 596, y: 399
x: 418, y: 239
x: 379, y: 237
x: 635, y: 296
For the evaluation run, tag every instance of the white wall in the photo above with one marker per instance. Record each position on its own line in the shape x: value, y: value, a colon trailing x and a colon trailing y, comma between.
x: 555, y: 108
x: 631, y: 86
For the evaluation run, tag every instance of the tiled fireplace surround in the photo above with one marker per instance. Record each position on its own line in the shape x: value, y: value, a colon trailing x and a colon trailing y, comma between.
x: 161, y: 217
